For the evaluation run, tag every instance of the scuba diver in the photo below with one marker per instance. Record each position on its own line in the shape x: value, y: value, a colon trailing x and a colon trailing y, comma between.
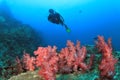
x: 56, y: 18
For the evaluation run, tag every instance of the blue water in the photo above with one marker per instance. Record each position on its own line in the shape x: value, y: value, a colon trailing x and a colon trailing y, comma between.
x: 85, y: 18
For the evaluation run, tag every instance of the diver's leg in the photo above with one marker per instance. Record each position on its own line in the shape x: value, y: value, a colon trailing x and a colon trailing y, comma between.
x: 65, y: 26
x: 62, y: 23
x: 67, y: 29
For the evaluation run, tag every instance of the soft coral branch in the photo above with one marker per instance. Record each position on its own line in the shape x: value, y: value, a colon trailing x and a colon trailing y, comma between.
x: 106, y: 67
x: 80, y: 58
x: 28, y: 62
x: 46, y: 59
x: 72, y: 57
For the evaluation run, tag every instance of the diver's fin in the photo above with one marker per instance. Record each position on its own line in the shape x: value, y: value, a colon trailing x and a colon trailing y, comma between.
x: 68, y: 30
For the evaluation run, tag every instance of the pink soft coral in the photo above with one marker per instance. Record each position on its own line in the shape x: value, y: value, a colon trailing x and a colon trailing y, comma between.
x: 46, y: 59
x: 106, y: 66
x: 28, y: 62
x: 72, y: 57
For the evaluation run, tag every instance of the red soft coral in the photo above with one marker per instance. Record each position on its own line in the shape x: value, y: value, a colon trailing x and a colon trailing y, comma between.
x: 80, y: 57
x: 71, y: 58
x: 106, y: 66
x: 46, y: 59
x: 28, y: 62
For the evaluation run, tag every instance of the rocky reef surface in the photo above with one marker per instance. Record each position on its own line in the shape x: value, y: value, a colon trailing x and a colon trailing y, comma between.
x: 15, y: 38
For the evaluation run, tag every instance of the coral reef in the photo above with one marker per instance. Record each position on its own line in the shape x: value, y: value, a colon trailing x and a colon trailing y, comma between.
x: 15, y: 37
x: 70, y: 59
x: 30, y: 75
x: 72, y: 62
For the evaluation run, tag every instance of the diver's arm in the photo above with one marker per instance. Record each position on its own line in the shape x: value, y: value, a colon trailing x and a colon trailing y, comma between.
x: 50, y: 18
x: 62, y: 18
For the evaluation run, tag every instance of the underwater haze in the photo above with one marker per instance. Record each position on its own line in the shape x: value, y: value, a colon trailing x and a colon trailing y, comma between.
x: 86, y: 19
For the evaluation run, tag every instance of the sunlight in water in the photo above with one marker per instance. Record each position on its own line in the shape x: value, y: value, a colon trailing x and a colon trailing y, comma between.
x: 48, y: 3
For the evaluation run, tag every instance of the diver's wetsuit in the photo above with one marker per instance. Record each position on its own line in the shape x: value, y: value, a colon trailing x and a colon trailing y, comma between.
x: 56, y: 18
